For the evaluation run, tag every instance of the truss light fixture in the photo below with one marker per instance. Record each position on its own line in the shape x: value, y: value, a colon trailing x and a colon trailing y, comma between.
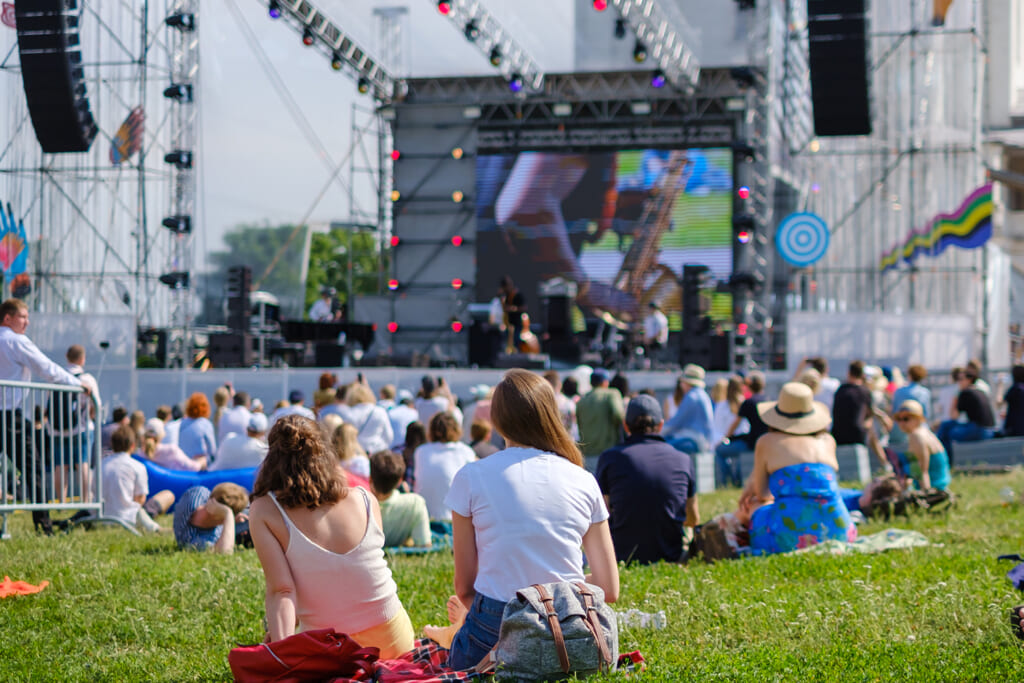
x: 337, y: 61
x: 395, y: 155
x: 308, y: 37
x: 456, y: 240
x: 658, y: 79
x: 444, y: 7
x: 743, y: 150
x: 457, y: 152
x: 457, y: 196
x: 392, y: 284
x: 743, y: 192
x: 179, y: 91
x: 472, y: 30
x: 640, y: 108
x: 175, y: 280
x: 457, y: 326
x: 274, y: 9
x: 182, y: 158
x: 392, y: 327
x: 561, y: 109
x: 363, y: 85
x: 395, y: 240
x: 515, y: 83
x: 183, y: 21
x: 180, y: 224
x: 639, y: 52
x: 395, y: 195
x: 620, y: 28
x: 471, y: 112
x: 495, y: 56
x: 600, y: 5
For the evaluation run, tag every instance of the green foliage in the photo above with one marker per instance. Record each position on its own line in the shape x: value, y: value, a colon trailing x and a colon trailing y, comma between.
x: 256, y: 246
x: 329, y: 262
x: 125, y: 608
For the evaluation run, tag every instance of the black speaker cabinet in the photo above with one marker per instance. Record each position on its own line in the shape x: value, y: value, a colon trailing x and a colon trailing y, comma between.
x: 51, y: 71
x: 231, y: 350
x: 840, y: 73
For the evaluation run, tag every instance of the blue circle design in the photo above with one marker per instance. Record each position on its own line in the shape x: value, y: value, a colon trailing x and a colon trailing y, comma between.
x: 802, y: 239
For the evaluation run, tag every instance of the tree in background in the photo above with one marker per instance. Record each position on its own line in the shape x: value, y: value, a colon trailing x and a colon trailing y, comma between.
x: 329, y: 262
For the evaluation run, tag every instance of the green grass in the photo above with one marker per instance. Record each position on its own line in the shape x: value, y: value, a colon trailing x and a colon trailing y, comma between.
x: 123, y: 608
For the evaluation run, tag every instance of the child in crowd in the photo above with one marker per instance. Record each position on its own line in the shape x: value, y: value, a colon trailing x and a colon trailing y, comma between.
x: 126, y: 483
x: 207, y: 519
x: 403, y: 516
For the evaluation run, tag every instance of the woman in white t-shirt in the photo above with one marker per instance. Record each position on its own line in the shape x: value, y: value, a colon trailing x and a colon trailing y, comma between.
x: 436, y: 462
x: 373, y: 426
x: 521, y: 516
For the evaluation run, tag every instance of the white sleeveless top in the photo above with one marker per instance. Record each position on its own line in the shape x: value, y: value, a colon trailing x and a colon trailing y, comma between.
x: 349, y: 592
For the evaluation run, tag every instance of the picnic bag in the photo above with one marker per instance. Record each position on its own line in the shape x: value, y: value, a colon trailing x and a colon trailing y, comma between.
x: 308, y: 656
x: 549, y: 631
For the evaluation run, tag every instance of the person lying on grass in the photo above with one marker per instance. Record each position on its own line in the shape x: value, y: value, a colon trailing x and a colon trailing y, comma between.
x: 207, y: 519
x: 321, y: 545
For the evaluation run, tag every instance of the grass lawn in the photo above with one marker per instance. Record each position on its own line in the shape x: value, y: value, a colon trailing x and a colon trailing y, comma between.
x: 124, y: 608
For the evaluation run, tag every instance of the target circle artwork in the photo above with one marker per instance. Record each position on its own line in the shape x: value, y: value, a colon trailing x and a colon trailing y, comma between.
x: 802, y: 239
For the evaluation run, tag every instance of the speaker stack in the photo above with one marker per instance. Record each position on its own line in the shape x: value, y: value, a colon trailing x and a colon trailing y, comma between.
x: 51, y: 69
x: 840, y: 73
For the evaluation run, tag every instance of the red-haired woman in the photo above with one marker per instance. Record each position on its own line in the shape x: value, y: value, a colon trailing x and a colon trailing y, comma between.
x: 321, y: 545
x: 197, y: 437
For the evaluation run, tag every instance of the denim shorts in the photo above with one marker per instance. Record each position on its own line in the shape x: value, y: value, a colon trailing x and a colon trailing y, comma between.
x: 478, y: 634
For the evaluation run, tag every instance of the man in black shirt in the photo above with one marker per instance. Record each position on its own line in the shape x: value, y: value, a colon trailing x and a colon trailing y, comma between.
x: 728, y: 453
x: 851, y: 408
x: 975, y: 420
x: 1013, y: 425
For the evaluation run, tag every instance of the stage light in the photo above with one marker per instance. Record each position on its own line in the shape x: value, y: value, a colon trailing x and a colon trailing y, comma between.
x: 620, y: 28
x: 600, y: 5
x: 457, y: 153
x: 561, y: 109
x: 457, y: 196
x: 743, y: 150
x: 743, y: 192
x: 363, y: 85
x: 444, y: 7
x: 639, y: 52
x: 472, y: 31
x: 456, y: 326
x: 515, y: 83
x: 175, y: 280
x: 658, y: 79
x: 456, y: 240
x: 395, y: 240
x: 392, y: 327
x: 179, y: 224
x: 395, y: 195
x: 392, y: 285
x: 179, y: 91
x: 743, y: 237
x: 815, y: 188
x: 640, y: 108
x: 337, y: 62
x: 182, y: 158
x: 274, y: 9
x: 495, y: 57
x: 741, y: 330
x: 395, y: 155
x: 456, y: 283
x: 308, y: 37
x: 182, y: 21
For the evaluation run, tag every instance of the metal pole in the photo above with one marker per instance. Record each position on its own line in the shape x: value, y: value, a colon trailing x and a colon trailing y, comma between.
x: 350, y: 299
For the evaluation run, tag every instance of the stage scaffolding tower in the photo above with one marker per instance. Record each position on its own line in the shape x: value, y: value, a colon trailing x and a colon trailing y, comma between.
x: 923, y: 158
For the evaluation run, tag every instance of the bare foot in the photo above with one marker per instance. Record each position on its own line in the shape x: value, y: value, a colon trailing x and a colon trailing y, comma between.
x: 456, y: 611
x: 444, y: 635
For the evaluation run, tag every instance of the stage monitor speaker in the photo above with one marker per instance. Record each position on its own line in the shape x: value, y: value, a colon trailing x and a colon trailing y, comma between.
x: 840, y: 73
x: 231, y: 350
x: 51, y: 72
x: 527, y: 361
x: 483, y: 344
x: 328, y: 355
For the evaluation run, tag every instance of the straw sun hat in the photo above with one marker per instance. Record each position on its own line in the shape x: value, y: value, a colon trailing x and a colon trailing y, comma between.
x: 796, y: 411
x: 910, y: 407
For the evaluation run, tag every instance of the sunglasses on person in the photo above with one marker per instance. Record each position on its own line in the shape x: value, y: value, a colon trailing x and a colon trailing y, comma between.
x: 905, y: 418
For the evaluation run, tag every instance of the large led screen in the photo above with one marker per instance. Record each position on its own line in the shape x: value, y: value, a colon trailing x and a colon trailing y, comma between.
x: 619, y: 225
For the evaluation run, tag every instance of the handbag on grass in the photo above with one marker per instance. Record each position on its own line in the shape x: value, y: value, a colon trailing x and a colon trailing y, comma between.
x: 549, y: 631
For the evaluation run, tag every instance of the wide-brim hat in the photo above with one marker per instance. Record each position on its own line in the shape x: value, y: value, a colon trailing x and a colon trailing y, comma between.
x: 796, y: 411
x: 694, y: 375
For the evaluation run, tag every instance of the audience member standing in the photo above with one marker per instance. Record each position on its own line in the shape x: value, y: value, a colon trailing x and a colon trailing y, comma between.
x: 1013, y: 424
x: 690, y: 429
x: 79, y: 434
x: 851, y: 409
x: 649, y: 488
x: 234, y: 420
x: 325, y: 393
x: 244, y: 450
x: 599, y: 417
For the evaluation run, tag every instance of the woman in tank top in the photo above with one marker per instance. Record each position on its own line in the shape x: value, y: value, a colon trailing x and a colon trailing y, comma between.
x: 321, y: 546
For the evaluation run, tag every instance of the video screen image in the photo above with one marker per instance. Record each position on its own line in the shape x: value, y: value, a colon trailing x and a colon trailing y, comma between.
x: 617, y: 225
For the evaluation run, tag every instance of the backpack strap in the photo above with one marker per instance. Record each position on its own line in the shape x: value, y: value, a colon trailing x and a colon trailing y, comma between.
x: 556, y: 628
x: 594, y: 623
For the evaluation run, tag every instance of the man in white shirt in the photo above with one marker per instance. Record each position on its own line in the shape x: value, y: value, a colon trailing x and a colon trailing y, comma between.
x: 75, y: 432
x: 322, y: 310
x: 235, y: 419
x: 655, y: 331
x: 244, y: 450
x: 294, y: 407
x: 19, y: 360
x: 126, y: 483
x: 401, y: 416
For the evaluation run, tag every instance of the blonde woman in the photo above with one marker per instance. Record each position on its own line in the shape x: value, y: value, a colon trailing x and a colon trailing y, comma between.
x: 350, y: 454
x: 373, y: 427
x: 727, y: 396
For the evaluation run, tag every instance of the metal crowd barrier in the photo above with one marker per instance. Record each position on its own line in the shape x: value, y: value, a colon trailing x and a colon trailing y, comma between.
x: 50, y: 450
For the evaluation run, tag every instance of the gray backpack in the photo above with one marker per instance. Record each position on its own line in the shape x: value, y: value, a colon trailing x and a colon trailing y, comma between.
x: 552, y: 630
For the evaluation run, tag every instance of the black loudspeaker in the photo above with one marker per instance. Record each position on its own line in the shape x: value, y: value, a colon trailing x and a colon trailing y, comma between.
x: 231, y: 350
x: 51, y: 71
x: 237, y: 289
x: 527, y: 361
x: 328, y: 355
x: 840, y: 73
x: 558, y: 317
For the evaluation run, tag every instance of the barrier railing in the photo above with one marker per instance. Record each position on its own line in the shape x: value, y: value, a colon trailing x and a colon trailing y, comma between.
x: 50, y: 451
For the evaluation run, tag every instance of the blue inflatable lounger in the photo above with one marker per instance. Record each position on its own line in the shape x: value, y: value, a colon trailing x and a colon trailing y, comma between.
x: 178, y: 481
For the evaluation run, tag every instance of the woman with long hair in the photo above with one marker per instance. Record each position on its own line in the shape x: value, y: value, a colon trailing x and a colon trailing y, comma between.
x: 522, y: 515
x: 673, y: 400
x: 345, y: 440
x: 321, y: 545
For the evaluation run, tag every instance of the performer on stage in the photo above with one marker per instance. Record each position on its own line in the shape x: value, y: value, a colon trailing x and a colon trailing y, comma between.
x: 513, y: 303
x: 322, y: 310
x: 655, y: 331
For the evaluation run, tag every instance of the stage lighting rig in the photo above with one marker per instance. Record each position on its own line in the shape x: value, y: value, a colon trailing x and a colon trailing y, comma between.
x: 665, y: 36
x: 183, y: 21
x: 639, y: 53
x: 317, y: 28
x: 495, y: 43
x: 620, y: 29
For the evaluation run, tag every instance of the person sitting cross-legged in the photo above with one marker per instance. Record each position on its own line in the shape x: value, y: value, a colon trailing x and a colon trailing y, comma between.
x: 403, y: 516
x: 690, y: 429
x: 973, y: 418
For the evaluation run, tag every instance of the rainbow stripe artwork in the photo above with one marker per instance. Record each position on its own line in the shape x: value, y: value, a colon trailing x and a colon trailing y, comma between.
x: 969, y: 227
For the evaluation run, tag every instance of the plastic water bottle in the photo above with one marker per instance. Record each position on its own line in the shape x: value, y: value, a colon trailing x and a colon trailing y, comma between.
x: 1007, y: 495
x: 634, y: 618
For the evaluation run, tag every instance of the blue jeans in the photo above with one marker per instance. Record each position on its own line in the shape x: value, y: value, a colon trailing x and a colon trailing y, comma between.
x: 951, y: 431
x: 727, y: 460
x: 685, y: 444
x: 478, y: 634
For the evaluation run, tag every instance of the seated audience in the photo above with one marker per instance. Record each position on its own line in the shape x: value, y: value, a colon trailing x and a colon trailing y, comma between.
x: 313, y: 534
x: 235, y: 419
x: 172, y: 422
x: 415, y: 436
x: 350, y: 454
x: 206, y: 519
x: 925, y: 457
x: 244, y: 450
x: 404, y: 517
x: 649, y: 488
x: 373, y: 427
x: 126, y: 483
x: 690, y: 428
x: 325, y: 394
x: 401, y: 416
x: 736, y: 443
x: 1013, y: 424
x: 119, y: 417
x: 436, y: 462
x: 973, y: 418
x: 480, y: 438
x: 293, y: 406
x: 433, y: 398
x: 599, y: 418
x: 795, y: 463
x: 196, y: 435
x: 852, y: 417
x: 166, y: 454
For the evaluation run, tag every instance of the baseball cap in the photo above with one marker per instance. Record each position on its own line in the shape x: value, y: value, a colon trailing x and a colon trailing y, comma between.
x: 599, y: 375
x: 257, y: 422
x: 296, y: 396
x: 643, y: 405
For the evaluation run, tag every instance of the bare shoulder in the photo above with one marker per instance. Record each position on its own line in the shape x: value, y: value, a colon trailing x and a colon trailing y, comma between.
x: 262, y: 508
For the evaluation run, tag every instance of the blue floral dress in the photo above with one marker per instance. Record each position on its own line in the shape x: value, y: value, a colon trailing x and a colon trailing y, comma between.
x: 808, y: 509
